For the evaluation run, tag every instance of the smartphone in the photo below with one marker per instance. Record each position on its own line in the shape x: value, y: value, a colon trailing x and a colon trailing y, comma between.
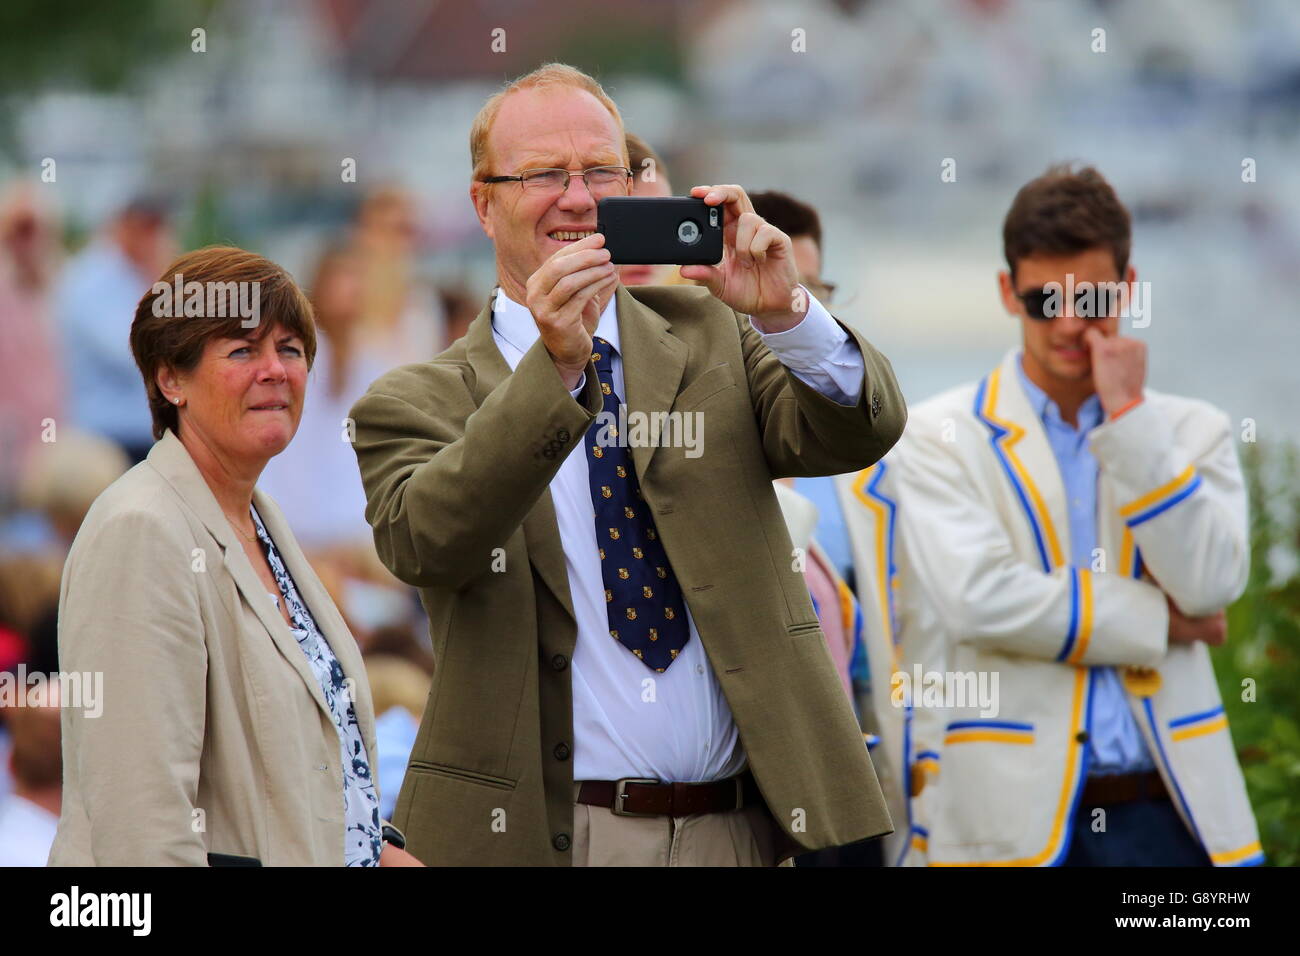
x: 672, y: 230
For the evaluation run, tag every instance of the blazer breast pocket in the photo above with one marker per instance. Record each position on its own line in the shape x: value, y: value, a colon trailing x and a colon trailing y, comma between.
x: 704, y: 386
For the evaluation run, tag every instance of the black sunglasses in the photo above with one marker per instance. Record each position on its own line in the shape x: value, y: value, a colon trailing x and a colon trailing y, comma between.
x: 1096, y: 301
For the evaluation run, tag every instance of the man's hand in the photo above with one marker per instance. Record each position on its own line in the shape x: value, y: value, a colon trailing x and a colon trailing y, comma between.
x: 564, y: 295
x: 394, y: 856
x: 1119, y: 368
x: 757, y: 276
x: 1212, y: 629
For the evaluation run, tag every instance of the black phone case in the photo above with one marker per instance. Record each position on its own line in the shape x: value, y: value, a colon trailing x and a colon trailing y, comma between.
x: 643, y: 231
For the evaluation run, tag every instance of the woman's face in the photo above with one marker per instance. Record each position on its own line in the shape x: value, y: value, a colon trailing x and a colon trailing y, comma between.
x: 244, y: 398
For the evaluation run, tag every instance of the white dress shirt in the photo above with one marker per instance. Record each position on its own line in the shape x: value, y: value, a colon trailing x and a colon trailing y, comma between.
x: 684, y: 730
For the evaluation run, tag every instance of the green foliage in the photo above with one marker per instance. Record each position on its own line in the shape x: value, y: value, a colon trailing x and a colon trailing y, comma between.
x: 76, y: 45
x: 1263, y: 646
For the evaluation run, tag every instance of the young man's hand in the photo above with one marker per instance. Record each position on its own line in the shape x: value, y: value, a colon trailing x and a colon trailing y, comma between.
x: 1119, y: 369
x: 1212, y: 629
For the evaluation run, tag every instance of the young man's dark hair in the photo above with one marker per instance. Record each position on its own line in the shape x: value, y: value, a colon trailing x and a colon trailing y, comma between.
x: 788, y: 214
x: 1063, y: 212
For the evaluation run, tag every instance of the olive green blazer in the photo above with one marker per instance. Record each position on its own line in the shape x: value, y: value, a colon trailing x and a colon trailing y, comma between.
x: 456, y: 455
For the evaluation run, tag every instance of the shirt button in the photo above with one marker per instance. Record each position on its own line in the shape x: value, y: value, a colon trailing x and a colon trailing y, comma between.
x: 699, y: 668
x: 561, y: 842
x: 559, y: 661
x: 561, y: 751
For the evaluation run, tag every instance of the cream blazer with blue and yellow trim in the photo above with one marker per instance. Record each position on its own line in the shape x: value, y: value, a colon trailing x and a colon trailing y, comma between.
x: 899, y: 632
x: 975, y: 539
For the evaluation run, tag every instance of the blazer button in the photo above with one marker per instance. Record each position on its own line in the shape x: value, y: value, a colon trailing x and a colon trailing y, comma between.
x: 561, y: 842
x: 1081, y: 736
x: 559, y: 662
x: 561, y: 751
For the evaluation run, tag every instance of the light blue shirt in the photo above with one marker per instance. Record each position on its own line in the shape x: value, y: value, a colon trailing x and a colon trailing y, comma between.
x: 831, y: 532
x: 1116, y: 742
x: 95, y: 305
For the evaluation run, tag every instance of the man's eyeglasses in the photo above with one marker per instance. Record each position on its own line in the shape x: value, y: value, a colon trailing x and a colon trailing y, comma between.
x: 600, y: 180
x: 1094, y: 301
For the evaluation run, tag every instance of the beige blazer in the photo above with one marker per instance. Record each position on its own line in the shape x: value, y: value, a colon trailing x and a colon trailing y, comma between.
x: 214, y: 735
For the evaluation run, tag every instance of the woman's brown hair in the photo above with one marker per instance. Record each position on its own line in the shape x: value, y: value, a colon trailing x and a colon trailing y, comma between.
x: 164, y: 336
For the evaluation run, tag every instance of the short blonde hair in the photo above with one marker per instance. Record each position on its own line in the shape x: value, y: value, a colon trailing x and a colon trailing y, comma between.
x: 556, y: 75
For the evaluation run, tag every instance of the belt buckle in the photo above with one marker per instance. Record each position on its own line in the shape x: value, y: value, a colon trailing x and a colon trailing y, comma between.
x: 620, y: 794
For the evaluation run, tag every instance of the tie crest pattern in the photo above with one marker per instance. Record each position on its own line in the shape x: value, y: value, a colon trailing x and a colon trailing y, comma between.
x: 647, y: 613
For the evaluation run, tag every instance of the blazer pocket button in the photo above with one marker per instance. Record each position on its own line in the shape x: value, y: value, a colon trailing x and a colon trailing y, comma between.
x: 561, y: 842
x: 561, y: 751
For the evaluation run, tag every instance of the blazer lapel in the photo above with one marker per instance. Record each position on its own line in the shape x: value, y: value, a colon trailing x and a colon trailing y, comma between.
x: 323, y: 611
x: 654, y: 361
x: 171, y: 459
x: 1030, y: 460
x: 540, y: 527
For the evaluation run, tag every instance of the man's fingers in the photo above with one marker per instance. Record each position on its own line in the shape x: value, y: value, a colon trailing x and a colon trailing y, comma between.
x: 555, y: 271
x: 767, y: 239
x: 746, y: 230
x: 711, y: 276
x: 731, y: 195
x: 575, y: 282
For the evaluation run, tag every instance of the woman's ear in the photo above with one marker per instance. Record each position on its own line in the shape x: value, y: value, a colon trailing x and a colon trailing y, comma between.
x: 170, y: 384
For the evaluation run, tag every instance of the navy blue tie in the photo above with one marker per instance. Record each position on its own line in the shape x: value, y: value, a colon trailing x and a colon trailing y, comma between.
x: 647, y: 614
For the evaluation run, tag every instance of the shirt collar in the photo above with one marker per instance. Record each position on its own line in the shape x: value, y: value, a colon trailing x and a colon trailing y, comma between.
x: 514, y: 323
x: 1047, y: 410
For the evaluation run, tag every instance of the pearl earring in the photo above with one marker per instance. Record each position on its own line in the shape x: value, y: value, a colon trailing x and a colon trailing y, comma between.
x: 176, y: 400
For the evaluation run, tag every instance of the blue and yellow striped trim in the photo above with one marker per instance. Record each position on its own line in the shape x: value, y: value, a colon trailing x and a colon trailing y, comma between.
x: 1081, y: 615
x: 994, y: 731
x: 928, y: 761
x: 920, y: 838
x: 1198, y: 725
x: 1252, y: 854
x: 1005, y: 435
x: 1156, y: 502
x: 1130, y: 556
x: 1164, y: 759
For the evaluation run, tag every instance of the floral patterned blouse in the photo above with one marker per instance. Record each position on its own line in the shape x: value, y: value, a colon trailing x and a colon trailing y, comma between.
x: 362, y: 837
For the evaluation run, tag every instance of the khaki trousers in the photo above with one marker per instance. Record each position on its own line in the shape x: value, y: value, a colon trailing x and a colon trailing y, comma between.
x: 744, y: 837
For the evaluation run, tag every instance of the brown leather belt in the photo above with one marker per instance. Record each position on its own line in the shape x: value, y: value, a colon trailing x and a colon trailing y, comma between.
x: 634, y: 797
x: 1110, y: 789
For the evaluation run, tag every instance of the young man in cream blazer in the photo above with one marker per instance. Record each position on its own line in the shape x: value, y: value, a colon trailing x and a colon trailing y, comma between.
x: 1063, y: 527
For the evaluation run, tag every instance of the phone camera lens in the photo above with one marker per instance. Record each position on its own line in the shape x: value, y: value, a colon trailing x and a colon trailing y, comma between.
x: 688, y: 232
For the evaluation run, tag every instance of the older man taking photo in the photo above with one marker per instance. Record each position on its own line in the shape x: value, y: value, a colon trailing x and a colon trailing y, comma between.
x: 629, y: 669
